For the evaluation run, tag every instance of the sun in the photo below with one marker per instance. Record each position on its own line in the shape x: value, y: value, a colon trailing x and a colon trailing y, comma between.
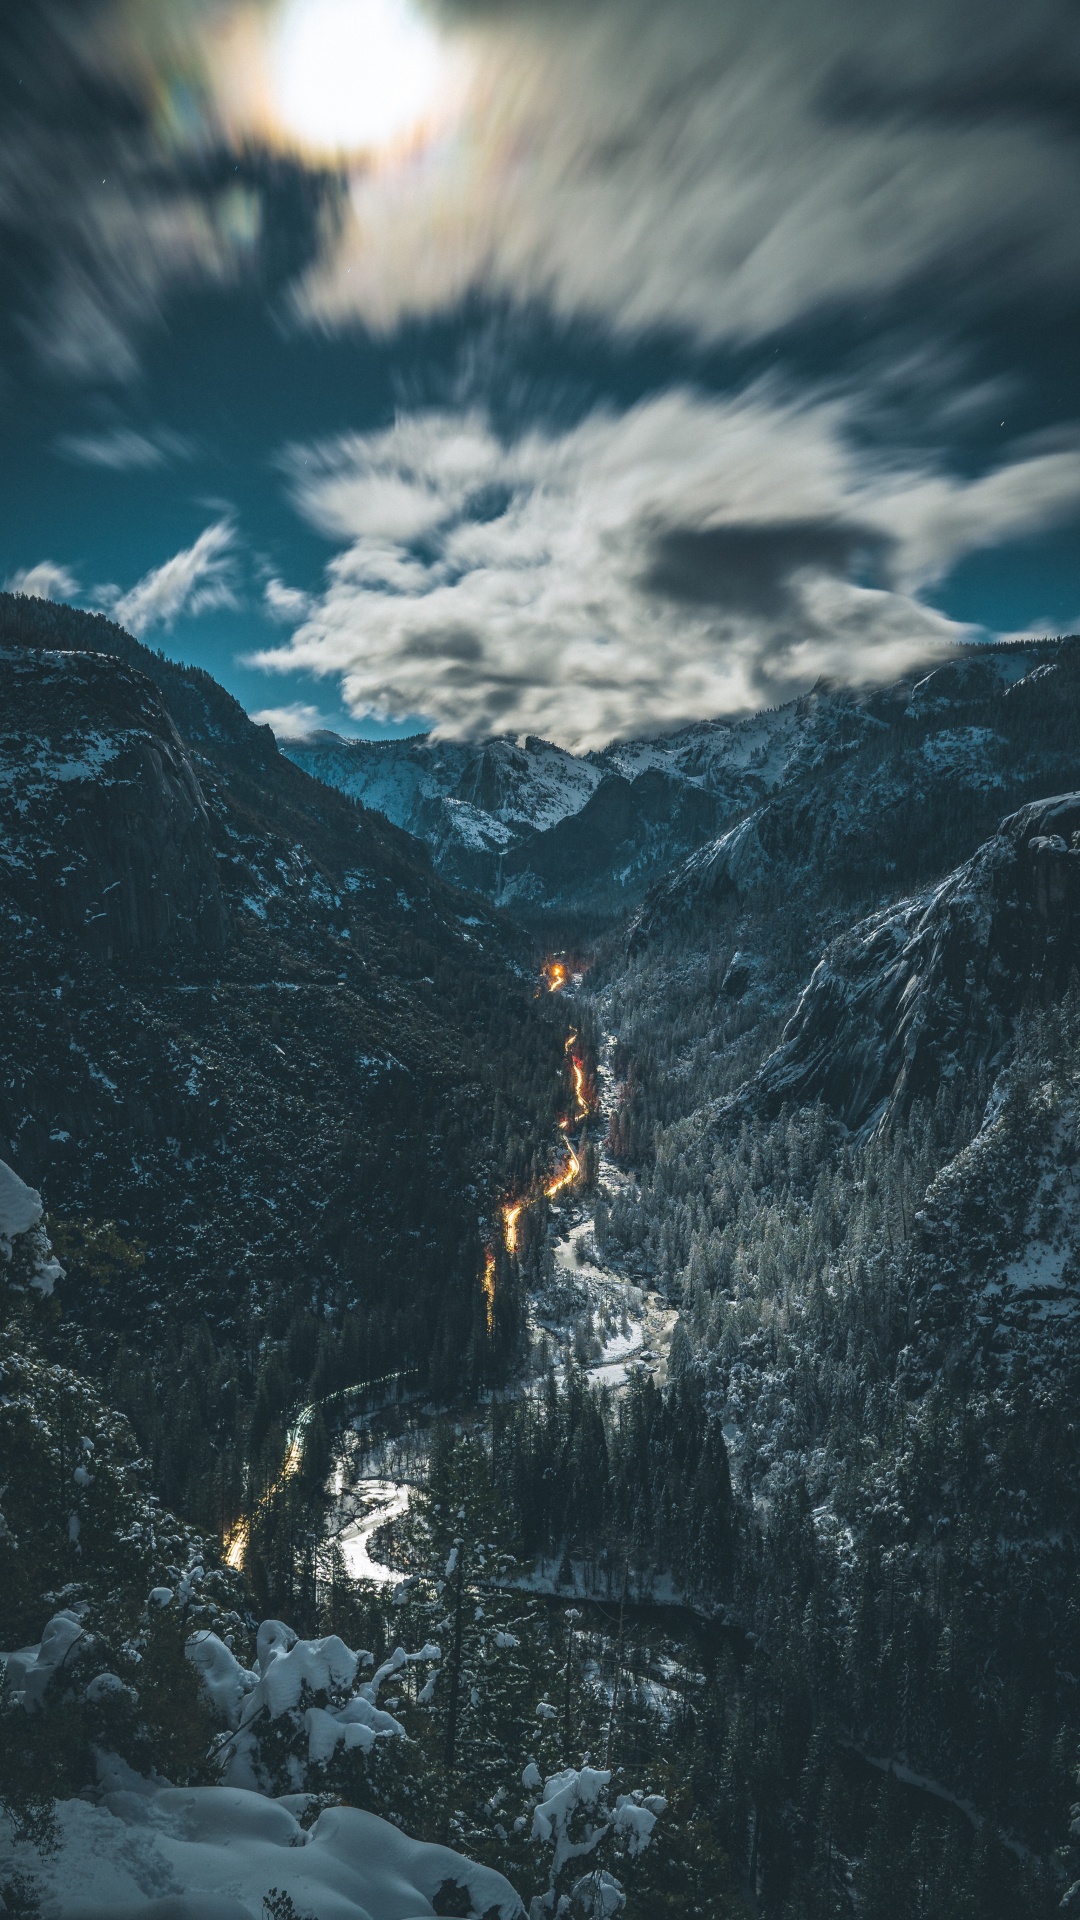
x: 353, y: 76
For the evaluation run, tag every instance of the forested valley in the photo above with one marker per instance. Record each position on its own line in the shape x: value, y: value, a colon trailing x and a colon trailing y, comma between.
x: 704, y: 1279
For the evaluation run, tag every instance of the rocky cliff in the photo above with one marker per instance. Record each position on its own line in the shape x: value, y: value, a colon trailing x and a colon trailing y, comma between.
x: 239, y: 1016
x: 932, y: 986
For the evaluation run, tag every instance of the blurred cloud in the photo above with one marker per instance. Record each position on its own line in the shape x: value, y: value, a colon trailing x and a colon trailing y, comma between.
x: 46, y: 581
x: 124, y: 449
x: 725, y: 171
x: 689, y: 556
x: 194, y: 581
x: 731, y: 170
x: 284, y: 603
x: 295, y: 722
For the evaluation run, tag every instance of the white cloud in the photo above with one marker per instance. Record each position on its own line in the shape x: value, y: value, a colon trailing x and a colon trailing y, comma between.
x: 194, y: 581
x: 295, y: 722
x: 691, y: 556
x: 284, y: 603
x: 123, y: 449
x: 730, y: 169
x: 46, y: 581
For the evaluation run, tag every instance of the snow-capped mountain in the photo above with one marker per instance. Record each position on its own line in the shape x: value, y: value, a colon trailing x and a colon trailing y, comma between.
x: 540, y: 829
x: 889, y: 791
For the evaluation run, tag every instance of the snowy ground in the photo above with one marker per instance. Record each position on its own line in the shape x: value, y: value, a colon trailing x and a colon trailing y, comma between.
x: 375, y: 1502
x: 214, y: 1853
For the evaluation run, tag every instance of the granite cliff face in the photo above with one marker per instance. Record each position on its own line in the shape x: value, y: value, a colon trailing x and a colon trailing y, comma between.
x: 104, y: 833
x: 239, y: 1016
x: 932, y: 986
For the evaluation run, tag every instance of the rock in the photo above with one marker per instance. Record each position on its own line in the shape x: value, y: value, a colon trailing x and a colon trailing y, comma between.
x: 934, y: 984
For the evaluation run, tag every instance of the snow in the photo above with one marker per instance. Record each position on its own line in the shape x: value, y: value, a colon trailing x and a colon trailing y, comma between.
x: 564, y: 1794
x: 31, y: 1668
x: 212, y: 1853
x: 636, y: 1821
x: 434, y: 787
x: 20, y: 1207
x: 1041, y: 1276
x: 20, y: 1220
x: 287, y: 1664
x: 289, y: 1677
x: 383, y: 1500
x: 37, y: 765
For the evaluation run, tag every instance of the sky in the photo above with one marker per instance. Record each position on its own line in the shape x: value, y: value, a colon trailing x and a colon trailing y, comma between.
x: 571, y: 369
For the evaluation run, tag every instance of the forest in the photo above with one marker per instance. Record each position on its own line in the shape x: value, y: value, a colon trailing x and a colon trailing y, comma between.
x: 738, y: 1436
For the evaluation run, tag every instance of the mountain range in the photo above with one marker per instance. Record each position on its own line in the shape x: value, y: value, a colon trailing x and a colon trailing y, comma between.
x: 292, y: 1038
x: 543, y: 831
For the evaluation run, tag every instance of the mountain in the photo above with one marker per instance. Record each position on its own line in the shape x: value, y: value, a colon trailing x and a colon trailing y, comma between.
x: 890, y: 789
x: 844, y: 1116
x: 545, y: 831
x: 273, y: 1072
x: 533, y: 827
x: 931, y: 987
x: 247, y: 1030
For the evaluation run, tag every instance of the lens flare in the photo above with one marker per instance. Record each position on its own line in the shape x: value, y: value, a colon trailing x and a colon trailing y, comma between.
x: 352, y: 76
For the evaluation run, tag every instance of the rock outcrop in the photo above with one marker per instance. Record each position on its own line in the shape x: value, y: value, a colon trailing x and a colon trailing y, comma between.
x: 933, y: 984
x: 104, y: 833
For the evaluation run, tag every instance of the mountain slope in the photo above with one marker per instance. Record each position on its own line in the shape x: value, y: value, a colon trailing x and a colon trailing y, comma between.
x: 244, y: 1022
x: 550, y: 832
x: 894, y: 800
x: 931, y: 987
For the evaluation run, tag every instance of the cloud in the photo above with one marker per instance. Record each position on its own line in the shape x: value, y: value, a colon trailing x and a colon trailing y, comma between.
x: 46, y: 581
x: 726, y: 170
x: 284, y: 603
x: 106, y: 204
x: 194, y: 581
x: 689, y: 556
x: 733, y: 169
x: 295, y: 722
x: 123, y: 449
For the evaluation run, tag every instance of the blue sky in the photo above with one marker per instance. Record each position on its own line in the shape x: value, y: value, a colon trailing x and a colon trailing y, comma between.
x: 578, y: 371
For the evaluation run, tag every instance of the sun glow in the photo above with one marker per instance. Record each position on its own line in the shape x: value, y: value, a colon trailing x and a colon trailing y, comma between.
x: 354, y: 76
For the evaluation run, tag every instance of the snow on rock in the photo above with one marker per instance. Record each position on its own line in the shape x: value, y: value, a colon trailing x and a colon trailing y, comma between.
x: 24, y: 1245
x: 481, y: 796
x: 934, y: 983
x: 213, y: 1853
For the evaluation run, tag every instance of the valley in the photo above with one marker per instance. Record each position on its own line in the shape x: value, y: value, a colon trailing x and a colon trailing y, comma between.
x: 653, y: 1302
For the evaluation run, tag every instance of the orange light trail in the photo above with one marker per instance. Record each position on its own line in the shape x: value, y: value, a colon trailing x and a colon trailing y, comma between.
x: 512, y: 1210
x: 489, y: 1288
x: 239, y: 1537
x: 556, y: 975
x: 568, y: 1175
x: 511, y: 1214
x: 577, y: 1070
